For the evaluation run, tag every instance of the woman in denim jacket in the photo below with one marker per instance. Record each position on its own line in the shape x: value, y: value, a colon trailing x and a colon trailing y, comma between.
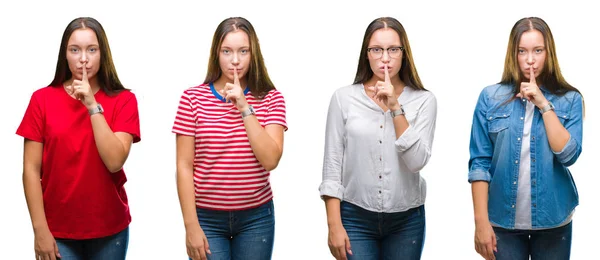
x: 526, y: 131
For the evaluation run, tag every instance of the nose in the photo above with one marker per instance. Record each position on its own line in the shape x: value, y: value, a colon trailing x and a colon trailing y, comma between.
x: 235, y: 59
x: 83, y: 58
x: 385, y: 57
x: 530, y: 59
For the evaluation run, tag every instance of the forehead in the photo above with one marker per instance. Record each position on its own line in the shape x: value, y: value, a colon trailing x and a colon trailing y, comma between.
x: 83, y: 36
x: 385, y: 37
x: 531, y: 38
x: 237, y: 38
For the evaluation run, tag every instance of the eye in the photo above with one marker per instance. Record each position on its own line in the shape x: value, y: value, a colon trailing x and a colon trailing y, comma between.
x: 245, y: 51
x: 539, y: 50
x: 74, y: 50
x: 521, y: 51
x: 226, y: 52
x: 376, y: 50
x: 394, y: 49
x: 93, y: 49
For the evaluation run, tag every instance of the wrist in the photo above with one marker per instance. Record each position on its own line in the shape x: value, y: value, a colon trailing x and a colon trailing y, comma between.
x: 396, y: 106
x: 543, y: 104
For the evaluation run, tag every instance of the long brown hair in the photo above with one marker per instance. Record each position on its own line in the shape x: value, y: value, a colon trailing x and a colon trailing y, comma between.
x: 408, y: 72
x: 258, y: 79
x: 550, y: 76
x: 107, y: 74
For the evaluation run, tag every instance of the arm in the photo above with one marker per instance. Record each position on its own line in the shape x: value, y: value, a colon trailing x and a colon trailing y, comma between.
x: 565, y: 141
x: 266, y: 143
x: 44, y: 245
x: 112, y: 147
x: 414, y: 142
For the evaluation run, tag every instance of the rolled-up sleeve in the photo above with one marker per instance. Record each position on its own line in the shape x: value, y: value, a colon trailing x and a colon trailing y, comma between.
x: 481, y: 147
x: 414, y: 145
x: 334, y: 151
x: 569, y: 154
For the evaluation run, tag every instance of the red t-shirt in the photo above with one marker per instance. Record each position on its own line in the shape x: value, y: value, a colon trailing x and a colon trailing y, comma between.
x: 227, y: 175
x: 82, y: 198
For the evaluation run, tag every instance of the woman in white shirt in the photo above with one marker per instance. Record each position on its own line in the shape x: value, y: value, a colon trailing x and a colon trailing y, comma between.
x: 378, y: 137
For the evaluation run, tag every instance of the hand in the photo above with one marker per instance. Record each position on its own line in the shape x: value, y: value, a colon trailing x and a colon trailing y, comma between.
x: 45, y: 246
x: 196, y: 243
x: 485, y: 240
x: 531, y: 91
x: 82, y: 91
x: 339, y: 243
x: 384, y: 92
x: 235, y: 93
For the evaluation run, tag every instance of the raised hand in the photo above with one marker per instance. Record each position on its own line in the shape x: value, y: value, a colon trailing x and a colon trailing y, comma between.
x: 531, y: 91
x: 384, y: 91
x: 235, y: 93
x: 81, y: 89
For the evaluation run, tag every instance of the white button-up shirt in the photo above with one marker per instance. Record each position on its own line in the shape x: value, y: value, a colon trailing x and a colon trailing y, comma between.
x: 364, y: 163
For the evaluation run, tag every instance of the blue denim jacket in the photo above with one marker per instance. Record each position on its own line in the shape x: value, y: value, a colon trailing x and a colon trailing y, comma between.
x: 496, y: 149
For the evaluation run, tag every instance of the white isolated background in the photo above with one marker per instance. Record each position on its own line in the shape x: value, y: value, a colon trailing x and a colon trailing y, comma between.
x: 310, y: 48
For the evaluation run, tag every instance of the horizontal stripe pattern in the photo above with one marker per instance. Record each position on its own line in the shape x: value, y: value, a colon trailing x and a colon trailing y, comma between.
x: 227, y: 175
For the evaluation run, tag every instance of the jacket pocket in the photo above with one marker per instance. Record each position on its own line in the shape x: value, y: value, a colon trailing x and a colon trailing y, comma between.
x: 498, y: 121
x: 563, y: 116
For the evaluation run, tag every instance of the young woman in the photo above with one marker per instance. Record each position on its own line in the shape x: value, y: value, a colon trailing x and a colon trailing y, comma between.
x: 526, y: 131
x: 229, y: 137
x: 378, y: 137
x: 78, y: 132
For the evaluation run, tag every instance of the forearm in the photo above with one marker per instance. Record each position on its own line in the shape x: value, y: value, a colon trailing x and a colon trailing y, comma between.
x: 264, y: 147
x: 334, y: 216
x: 400, y: 122
x: 186, y: 193
x: 35, y: 202
x: 558, y: 136
x: 111, y: 149
x: 479, y: 191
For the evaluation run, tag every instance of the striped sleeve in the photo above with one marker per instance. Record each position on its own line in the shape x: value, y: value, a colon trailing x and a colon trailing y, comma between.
x: 276, y: 110
x: 185, y: 123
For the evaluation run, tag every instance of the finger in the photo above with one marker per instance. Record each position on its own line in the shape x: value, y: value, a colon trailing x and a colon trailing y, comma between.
x: 236, y: 77
x: 52, y: 256
x: 84, y: 71
x: 531, y: 75
x: 494, y: 243
x: 348, y: 246
x: 387, y: 74
x: 201, y: 253
x: 342, y: 253
x: 206, y: 246
x: 56, y: 252
x: 489, y: 250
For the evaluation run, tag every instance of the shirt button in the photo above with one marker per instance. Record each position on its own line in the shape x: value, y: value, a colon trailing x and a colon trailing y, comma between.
x: 504, y: 115
x: 491, y: 118
x: 533, y: 160
x: 533, y: 182
x: 379, y: 176
x: 521, y: 118
x: 533, y: 138
x: 380, y: 158
x: 515, y: 183
x: 381, y: 126
x: 564, y: 116
x: 379, y: 141
x: 516, y: 161
x: 379, y: 192
x: 518, y: 138
x: 513, y: 205
x: 534, y: 205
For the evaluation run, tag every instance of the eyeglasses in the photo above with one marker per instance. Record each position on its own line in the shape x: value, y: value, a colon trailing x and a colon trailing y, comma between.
x: 377, y: 52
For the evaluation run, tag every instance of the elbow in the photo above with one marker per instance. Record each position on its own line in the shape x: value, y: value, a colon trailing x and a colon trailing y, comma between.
x: 417, y: 164
x: 271, y: 165
x: 115, y: 166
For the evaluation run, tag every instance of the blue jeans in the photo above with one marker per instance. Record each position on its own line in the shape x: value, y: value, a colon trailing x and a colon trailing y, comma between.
x: 377, y: 236
x: 240, y: 234
x: 110, y: 247
x: 544, y: 244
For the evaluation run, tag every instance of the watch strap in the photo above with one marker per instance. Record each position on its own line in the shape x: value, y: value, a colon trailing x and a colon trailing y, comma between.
x: 96, y: 110
x: 395, y: 113
x: 248, y: 112
x: 547, y: 108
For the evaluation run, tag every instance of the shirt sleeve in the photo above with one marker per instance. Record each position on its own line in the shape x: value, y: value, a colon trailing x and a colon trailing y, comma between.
x: 128, y: 119
x: 481, y: 148
x: 334, y: 151
x: 276, y: 110
x: 185, y: 123
x: 32, y: 125
x: 414, y: 145
x: 571, y: 151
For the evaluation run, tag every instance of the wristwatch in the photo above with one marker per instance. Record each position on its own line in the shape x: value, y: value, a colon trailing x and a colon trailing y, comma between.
x: 248, y: 112
x: 547, y: 108
x: 398, y: 112
x: 96, y: 110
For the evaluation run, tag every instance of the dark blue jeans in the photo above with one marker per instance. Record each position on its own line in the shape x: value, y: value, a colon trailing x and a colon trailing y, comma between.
x: 110, y: 247
x: 547, y: 244
x: 242, y: 234
x: 377, y: 236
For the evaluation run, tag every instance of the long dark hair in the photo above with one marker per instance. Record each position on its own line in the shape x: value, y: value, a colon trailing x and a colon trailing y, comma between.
x: 258, y: 79
x: 550, y: 76
x: 107, y: 74
x: 408, y: 72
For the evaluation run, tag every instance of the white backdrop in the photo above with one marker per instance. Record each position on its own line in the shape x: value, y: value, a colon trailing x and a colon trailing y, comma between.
x: 311, y: 48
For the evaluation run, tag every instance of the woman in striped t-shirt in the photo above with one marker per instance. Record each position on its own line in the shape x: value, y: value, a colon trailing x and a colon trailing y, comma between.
x: 229, y: 137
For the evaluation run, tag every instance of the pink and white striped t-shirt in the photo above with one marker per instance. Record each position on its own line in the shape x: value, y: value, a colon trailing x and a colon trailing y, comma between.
x: 227, y: 175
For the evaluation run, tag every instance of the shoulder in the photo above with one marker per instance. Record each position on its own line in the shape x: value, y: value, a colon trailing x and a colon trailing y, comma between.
x: 46, y: 91
x: 497, y: 91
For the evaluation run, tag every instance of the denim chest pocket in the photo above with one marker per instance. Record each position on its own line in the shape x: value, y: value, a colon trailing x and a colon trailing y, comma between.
x: 498, y: 121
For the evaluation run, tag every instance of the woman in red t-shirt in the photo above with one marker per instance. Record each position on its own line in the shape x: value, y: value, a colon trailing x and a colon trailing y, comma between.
x: 78, y: 132
x: 229, y: 137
